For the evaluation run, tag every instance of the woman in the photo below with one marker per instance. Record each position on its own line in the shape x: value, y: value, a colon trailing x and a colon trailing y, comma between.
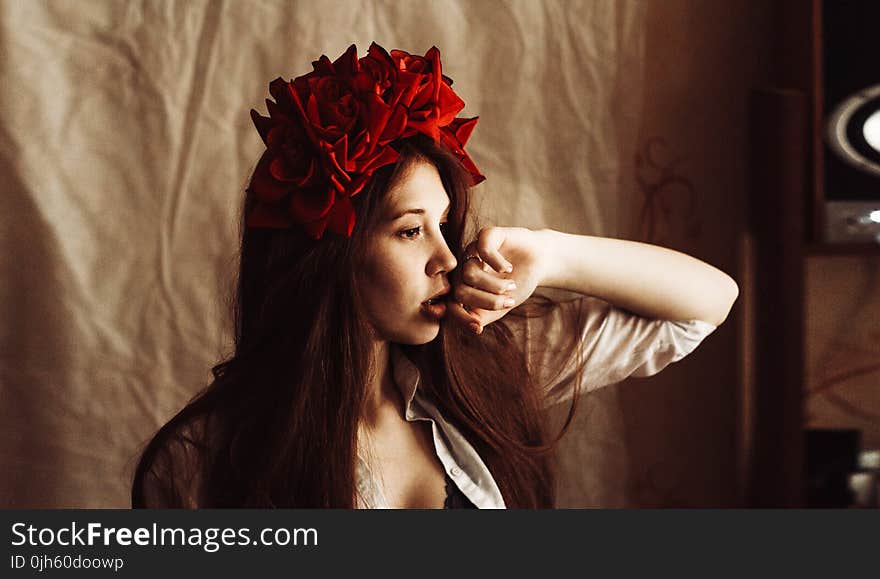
x: 382, y: 361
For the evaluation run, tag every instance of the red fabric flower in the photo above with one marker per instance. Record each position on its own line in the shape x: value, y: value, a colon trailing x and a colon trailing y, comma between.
x: 328, y: 131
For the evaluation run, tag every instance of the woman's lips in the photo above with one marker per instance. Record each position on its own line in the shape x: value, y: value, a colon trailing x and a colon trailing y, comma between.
x: 435, y: 310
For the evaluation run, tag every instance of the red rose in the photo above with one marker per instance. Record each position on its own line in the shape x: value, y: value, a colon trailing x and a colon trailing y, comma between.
x: 377, y: 83
x: 290, y: 159
x: 326, y: 97
x: 337, y: 106
x: 377, y: 74
x: 431, y: 101
x: 329, y: 130
x: 454, y: 136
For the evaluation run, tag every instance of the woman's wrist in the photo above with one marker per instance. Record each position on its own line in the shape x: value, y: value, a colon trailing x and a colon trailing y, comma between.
x: 550, y: 248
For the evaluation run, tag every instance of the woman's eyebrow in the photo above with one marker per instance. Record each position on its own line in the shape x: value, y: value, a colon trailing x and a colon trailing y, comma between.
x: 415, y: 211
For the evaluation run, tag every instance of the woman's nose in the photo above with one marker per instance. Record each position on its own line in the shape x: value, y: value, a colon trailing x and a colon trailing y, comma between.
x: 444, y: 258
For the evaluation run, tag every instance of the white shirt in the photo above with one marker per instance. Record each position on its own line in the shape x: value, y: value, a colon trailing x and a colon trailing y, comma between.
x: 616, y: 345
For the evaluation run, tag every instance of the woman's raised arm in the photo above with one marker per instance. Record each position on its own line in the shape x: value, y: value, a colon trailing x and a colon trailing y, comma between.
x: 645, y: 279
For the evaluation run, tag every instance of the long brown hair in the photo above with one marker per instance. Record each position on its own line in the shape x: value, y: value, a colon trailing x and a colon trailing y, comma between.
x: 277, y: 427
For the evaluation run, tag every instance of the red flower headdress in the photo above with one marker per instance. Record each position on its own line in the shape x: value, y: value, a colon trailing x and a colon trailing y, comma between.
x: 329, y: 130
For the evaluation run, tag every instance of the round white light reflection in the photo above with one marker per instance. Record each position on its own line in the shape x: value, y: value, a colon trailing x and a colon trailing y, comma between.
x: 871, y: 130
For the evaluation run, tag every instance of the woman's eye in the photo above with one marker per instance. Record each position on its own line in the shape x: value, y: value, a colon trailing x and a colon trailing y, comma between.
x: 410, y: 233
x: 416, y: 231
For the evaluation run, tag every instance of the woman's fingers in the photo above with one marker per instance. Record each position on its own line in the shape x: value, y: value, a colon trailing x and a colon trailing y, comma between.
x: 483, y: 291
x: 464, y: 316
x: 486, y: 248
x: 475, y: 275
x: 477, y: 298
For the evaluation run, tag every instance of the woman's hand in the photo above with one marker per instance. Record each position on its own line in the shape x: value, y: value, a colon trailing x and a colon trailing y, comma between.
x: 500, y: 272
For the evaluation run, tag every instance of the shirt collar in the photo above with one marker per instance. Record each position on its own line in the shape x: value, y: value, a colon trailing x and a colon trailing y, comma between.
x: 406, y: 375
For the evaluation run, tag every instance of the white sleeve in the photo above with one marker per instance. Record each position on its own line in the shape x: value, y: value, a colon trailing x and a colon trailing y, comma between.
x: 615, y: 345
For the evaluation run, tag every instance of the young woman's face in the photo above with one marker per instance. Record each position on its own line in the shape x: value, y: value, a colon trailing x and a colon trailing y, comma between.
x: 407, y: 259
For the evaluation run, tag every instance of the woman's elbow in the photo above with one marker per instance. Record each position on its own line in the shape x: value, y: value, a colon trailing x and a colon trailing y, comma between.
x: 727, y: 295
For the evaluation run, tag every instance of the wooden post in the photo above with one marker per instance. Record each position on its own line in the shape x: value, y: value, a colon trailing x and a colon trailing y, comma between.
x: 777, y: 153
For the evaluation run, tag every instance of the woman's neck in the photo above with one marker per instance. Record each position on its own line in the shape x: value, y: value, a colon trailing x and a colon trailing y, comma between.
x: 382, y: 394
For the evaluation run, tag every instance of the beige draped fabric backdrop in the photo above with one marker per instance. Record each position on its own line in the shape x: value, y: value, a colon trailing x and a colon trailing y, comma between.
x: 125, y: 145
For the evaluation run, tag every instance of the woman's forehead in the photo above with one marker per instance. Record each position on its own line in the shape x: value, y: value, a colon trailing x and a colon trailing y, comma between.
x: 419, y: 187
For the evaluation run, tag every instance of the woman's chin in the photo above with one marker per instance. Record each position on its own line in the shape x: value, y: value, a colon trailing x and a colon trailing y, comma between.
x: 427, y: 333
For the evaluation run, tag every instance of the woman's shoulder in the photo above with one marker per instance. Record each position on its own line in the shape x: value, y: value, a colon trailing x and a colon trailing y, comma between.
x: 170, y: 471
